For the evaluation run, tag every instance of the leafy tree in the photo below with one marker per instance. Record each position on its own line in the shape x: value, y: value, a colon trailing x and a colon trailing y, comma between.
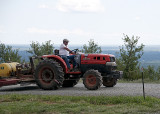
x: 91, y: 48
x: 158, y: 73
x: 151, y: 73
x: 8, y: 54
x: 38, y: 49
x: 130, y: 53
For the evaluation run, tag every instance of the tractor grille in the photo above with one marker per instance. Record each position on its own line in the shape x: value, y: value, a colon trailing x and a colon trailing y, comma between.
x: 112, y: 59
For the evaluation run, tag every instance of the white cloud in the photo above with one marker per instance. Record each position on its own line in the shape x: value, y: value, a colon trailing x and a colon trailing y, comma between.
x: 80, y: 34
x: 80, y: 6
x: 43, y: 6
x: 57, y: 32
x: 2, y: 30
x: 137, y: 18
x: 75, y: 6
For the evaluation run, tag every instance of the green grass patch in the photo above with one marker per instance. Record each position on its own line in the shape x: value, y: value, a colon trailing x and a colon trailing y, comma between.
x: 13, y: 104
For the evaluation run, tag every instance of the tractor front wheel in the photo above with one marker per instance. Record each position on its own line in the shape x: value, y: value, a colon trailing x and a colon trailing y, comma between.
x: 49, y: 75
x: 92, y: 79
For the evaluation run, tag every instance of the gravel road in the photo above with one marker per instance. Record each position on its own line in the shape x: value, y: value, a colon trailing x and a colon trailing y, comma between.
x: 127, y: 89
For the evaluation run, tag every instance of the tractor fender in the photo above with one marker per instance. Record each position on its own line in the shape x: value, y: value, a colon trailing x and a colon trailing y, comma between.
x: 58, y: 59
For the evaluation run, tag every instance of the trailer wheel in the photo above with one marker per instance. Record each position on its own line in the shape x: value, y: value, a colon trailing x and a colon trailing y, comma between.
x: 49, y: 75
x: 70, y: 82
x: 109, y: 82
x: 92, y: 79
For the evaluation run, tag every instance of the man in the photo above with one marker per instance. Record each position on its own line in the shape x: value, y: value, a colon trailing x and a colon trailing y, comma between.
x: 64, y: 53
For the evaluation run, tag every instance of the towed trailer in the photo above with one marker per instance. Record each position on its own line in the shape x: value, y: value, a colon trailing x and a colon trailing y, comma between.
x: 13, y: 73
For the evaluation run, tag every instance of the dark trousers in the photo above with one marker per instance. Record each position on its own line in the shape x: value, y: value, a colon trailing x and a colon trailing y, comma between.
x: 71, y: 57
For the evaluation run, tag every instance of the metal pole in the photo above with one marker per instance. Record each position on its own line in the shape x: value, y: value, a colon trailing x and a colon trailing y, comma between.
x: 143, y: 84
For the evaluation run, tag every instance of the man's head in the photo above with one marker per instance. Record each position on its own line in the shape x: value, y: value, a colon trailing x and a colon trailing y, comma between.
x: 65, y: 41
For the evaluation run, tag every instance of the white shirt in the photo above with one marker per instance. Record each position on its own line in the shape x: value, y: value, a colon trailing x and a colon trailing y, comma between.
x: 63, y: 51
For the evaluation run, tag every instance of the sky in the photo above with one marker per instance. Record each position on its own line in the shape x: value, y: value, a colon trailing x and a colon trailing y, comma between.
x: 104, y: 21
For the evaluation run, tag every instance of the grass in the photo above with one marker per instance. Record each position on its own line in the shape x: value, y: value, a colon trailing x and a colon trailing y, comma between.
x: 46, y: 104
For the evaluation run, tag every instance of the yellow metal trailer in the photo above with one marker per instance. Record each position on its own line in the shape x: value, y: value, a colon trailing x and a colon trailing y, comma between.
x: 8, y: 69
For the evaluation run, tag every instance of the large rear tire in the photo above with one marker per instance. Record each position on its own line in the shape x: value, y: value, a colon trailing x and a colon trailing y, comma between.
x: 49, y: 75
x: 92, y: 79
x: 70, y: 82
x: 109, y: 82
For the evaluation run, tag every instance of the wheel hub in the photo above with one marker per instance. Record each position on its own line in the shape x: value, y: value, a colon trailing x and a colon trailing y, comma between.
x: 91, y: 80
x: 47, y: 75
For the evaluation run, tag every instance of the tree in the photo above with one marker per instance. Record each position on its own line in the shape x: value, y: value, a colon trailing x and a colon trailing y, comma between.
x: 38, y: 49
x: 158, y: 73
x: 151, y: 73
x: 8, y: 54
x: 130, y: 53
x: 92, y: 48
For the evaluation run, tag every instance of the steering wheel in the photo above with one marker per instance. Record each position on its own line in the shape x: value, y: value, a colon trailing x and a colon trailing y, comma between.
x: 75, y: 51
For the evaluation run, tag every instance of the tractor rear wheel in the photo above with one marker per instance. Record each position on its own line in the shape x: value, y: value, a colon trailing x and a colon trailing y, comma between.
x: 109, y: 82
x: 92, y: 79
x: 70, y: 82
x: 49, y: 75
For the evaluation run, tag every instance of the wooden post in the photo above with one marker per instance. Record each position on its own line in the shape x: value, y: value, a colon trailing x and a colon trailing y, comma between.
x: 143, y: 83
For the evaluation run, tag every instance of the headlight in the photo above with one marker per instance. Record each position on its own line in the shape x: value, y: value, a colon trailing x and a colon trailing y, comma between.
x: 111, y: 64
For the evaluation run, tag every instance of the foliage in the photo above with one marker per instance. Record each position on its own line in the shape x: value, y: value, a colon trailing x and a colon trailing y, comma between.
x: 77, y: 104
x: 38, y: 49
x: 8, y: 54
x: 91, y: 48
x: 152, y: 74
x: 130, y: 53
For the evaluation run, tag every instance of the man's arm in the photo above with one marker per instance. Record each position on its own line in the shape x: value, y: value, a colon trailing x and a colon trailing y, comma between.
x: 68, y: 50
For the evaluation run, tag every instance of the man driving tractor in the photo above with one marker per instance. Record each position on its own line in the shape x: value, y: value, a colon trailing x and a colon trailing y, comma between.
x: 64, y: 53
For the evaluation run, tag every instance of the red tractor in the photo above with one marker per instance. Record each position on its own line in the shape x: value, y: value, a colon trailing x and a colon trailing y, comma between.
x: 52, y: 72
x: 94, y: 69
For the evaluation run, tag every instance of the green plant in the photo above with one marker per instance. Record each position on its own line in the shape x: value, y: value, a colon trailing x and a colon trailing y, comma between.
x: 91, y: 48
x: 38, y: 49
x: 8, y: 54
x: 130, y: 53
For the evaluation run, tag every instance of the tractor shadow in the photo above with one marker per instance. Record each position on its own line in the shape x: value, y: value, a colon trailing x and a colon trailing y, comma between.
x: 18, y: 88
x: 34, y: 87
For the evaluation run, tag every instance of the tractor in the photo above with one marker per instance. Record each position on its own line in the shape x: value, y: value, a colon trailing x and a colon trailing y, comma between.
x: 51, y: 71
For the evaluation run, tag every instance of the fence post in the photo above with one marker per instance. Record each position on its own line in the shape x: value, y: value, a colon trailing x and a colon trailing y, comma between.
x: 143, y: 83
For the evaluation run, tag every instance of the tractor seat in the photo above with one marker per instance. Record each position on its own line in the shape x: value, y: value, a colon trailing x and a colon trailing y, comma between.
x: 56, y: 52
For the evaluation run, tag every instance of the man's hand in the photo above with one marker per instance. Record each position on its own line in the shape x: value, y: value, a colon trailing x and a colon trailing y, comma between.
x: 72, y: 52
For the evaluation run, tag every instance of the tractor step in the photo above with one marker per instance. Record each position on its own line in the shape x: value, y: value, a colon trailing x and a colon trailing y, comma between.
x: 74, y: 73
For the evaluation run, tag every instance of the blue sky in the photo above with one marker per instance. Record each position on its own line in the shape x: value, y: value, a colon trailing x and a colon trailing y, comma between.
x: 105, y: 21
